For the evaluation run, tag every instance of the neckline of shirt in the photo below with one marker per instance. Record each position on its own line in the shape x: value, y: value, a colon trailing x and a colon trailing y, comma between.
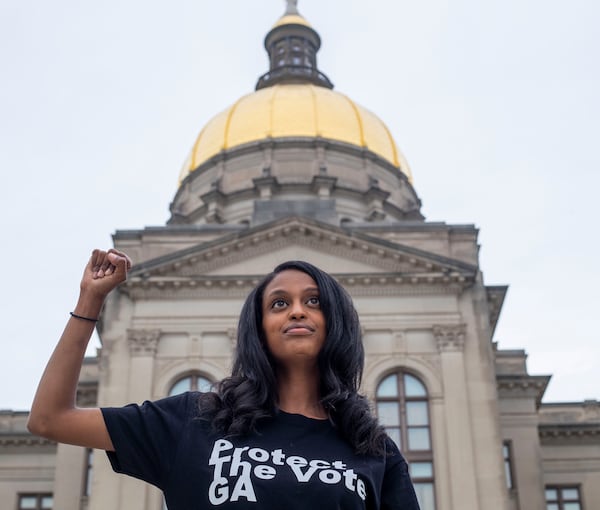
x: 302, y: 420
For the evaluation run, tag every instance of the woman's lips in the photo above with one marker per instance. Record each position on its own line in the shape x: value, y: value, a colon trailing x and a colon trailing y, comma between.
x: 298, y: 329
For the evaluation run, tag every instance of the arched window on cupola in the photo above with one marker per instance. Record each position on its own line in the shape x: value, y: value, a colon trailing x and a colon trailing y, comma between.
x: 403, y: 409
x: 190, y: 382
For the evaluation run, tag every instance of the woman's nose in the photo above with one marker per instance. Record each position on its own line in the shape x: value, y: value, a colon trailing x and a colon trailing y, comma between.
x: 297, y: 311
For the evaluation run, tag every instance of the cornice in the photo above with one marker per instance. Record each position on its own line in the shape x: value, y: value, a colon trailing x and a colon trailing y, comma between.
x: 27, y: 440
x: 519, y: 386
x: 177, y: 230
x: 569, y: 433
x: 293, y: 142
x: 397, y: 269
x: 379, y: 284
x: 495, y: 298
x: 304, y: 227
x: 215, y: 202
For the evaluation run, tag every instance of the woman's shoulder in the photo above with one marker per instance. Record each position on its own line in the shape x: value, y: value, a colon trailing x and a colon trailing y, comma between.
x: 393, y: 456
x: 186, y: 400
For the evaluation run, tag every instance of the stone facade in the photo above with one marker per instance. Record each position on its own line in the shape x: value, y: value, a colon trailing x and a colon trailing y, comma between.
x: 421, y: 311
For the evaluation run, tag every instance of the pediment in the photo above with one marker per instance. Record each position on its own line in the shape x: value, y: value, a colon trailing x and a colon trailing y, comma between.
x: 322, y: 254
x: 241, y: 259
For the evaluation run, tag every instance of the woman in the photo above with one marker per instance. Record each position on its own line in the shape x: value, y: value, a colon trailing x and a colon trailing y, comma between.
x: 286, y: 429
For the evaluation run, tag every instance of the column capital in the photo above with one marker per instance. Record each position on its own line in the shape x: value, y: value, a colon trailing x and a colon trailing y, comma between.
x: 232, y: 335
x: 143, y: 342
x: 450, y: 338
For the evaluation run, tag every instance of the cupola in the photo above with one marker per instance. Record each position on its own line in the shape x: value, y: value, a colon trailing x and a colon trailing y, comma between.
x: 295, y: 146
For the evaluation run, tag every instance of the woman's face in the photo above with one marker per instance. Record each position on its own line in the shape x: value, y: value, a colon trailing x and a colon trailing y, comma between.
x: 293, y: 323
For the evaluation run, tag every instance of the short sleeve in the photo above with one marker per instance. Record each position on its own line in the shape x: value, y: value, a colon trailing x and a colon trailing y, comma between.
x: 145, y: 437
x: 397, y: 491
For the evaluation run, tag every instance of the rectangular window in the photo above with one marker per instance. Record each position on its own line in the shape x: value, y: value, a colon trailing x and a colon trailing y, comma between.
x: 87, y: 484
x: 508, y: 464
x: 563, y: 498
x: 421, y: 474
x: 35, y: 502
x: 425, y: 495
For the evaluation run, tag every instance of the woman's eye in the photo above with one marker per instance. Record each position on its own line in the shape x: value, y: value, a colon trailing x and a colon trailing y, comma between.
x: 278, y: 303
x: 314, y: 301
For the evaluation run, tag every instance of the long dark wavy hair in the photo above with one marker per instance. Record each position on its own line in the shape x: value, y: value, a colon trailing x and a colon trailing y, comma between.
x: 249, y: 395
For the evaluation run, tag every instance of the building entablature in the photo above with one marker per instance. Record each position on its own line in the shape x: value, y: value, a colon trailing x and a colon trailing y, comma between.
x: 382, y: 267
x: 432, y: 237
x: 385, y: 255
x: 23, y: 440
x: 569, y: 433
x: 152, y: 242
x: 239, y: 285
x: 587, y: 411
x: 177, y: 232
x: 522, y: 386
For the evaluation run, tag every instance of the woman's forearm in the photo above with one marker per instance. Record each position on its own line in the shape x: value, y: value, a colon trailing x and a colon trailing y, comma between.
x: 57, y: 390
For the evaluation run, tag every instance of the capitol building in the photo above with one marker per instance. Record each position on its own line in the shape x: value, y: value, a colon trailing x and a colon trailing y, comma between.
x: 297, y: 170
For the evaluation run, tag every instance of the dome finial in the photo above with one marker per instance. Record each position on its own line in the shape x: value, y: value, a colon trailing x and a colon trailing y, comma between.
x: 291, y: 7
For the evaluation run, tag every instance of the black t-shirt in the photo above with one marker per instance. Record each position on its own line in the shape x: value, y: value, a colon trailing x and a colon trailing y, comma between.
x: 292, y: 462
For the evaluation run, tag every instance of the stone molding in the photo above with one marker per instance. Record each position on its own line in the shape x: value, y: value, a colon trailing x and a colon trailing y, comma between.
x: 404, y: 359
x: 366, y: 249
x: 403, y: 270
x: 522, y: 386
x: 28, y: 440
x: 223, y: 287
x: 450, y: 338
x: 314, y: 155
x: 433, y: 362
x: 323, y: 184
x: 569, y: 433
x: 426, y: 367
x: 495, y: 298
x: 143, y: 342
x: 338, y: 244
x: 266, y: 185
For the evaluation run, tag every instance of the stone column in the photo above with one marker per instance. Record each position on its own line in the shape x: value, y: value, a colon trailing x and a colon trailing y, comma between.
x: 519, y: 416
x: 460, y: 467
x: 71, y: 461
x: 136, y: 495
x: 70, y: 475
x: 142, y: 349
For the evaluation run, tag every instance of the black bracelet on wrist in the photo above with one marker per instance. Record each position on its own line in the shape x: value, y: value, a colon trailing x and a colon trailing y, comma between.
x: 82, y: 317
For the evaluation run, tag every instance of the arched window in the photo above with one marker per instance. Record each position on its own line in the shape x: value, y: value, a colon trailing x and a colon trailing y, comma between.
x: 403, y: 409
x: 192, y: 382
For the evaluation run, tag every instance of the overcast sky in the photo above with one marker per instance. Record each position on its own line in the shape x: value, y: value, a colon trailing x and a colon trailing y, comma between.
x: 495, y: 105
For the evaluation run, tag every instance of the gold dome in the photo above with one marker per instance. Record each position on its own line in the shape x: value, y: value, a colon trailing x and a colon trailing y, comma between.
x: 294, y: 110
